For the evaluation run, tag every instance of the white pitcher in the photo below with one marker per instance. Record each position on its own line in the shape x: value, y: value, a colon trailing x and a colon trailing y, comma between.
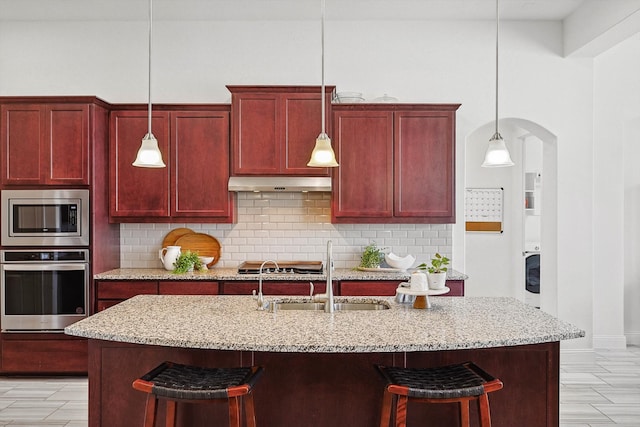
x: 168, y: 256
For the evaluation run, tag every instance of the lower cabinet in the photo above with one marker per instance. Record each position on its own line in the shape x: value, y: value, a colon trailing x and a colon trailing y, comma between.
x: 273, y: 288
x: 195, y: 287
x: 43, y: 353
x: 109, y: 293
x: 369, y: 287
x: 388, y: 287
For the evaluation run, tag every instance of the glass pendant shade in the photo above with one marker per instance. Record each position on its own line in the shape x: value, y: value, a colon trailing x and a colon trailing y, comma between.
x: 149, y: 155
x: 322, y: 154
x: 497, y: 154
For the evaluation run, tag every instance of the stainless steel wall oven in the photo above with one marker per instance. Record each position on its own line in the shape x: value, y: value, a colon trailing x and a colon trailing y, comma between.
x: 43, y: 290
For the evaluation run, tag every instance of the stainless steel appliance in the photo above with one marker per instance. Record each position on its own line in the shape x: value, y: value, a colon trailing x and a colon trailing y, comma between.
x: 532, y: 278
x: 284, y: 267
x: 43, y: 290
x: 52, y: 217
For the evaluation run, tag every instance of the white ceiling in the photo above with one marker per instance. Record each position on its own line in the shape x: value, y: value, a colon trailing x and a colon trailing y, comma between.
x: 288, y: 9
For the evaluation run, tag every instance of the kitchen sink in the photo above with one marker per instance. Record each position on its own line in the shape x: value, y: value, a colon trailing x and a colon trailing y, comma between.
x: 319, y: 306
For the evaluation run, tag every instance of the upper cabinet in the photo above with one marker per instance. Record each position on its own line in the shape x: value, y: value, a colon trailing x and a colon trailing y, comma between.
x: 45, y: 143
x: 193, y: 187
x: 397, y: 163
x: 274, y: 129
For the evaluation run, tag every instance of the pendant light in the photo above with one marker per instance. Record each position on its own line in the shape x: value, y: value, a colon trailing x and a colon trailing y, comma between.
x: 497, y: 154
x: 149, y: 155
x: 322, y: 155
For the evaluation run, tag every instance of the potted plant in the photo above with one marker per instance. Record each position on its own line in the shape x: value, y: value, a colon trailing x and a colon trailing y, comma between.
x: 436, y: 271
x: 371, y: 257
x: 187, y: 261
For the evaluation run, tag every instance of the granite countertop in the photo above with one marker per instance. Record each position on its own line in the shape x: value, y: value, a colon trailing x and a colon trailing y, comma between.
x: 233, y: 323
x: 232, y: 274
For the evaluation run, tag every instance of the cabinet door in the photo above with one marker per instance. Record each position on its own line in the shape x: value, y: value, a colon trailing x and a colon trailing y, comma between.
x: 363, y: 184
x: 66, y: 144
x: 137, y: 192
x: 199, y: 176
x: 46, y: 144
x: 255, y: 136
x: 22, y: 130
x: 274, y: 130
x: 424, y: 165
x: 302, y: 123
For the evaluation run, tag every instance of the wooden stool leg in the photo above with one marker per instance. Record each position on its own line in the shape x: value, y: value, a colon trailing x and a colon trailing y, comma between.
x: 249, y: 410
x: 401, y: 411
x: 485, y: 414
x: 171, y: 413
x: 150, y: 411
x: 387, y: 402
x: 234, y: 411
x: 464, y: 413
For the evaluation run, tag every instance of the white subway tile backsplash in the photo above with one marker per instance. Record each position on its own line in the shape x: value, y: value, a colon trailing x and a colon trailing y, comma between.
x: 289, y: 226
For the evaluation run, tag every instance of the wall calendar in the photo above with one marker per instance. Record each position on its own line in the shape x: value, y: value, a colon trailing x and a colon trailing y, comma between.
x: 483, y: 209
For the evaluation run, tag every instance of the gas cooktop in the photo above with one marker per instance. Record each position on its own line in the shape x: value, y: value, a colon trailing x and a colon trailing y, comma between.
x: 285, y: 267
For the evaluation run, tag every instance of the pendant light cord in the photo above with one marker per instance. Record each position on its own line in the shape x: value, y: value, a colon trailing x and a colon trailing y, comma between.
x: 149, y: 77
x: 497, y: 52
x: 322, y: 63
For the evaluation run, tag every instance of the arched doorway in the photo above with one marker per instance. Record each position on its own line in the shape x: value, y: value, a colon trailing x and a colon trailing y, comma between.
x: 495, y: 262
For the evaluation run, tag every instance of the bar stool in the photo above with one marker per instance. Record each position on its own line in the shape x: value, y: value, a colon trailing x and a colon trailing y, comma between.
x: 446, y: 384
x: 184, y: 383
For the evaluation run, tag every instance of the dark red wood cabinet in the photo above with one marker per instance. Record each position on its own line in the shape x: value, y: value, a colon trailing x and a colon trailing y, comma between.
x: 274, y: 129
x: 388, y: 287
x: 300, y: 288
x: 193, y: 186
x: 45, y: 143
x: 397, y: 163
x: 112, y: 292
x: 43, y: 353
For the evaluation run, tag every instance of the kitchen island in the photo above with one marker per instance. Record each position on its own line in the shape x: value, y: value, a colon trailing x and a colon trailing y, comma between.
x: 318, y: 366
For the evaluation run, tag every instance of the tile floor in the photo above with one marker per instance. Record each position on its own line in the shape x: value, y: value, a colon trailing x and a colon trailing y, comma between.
x: 602, y: 393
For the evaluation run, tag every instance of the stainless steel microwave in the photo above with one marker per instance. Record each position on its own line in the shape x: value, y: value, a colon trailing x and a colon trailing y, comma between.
x: 52, y: 217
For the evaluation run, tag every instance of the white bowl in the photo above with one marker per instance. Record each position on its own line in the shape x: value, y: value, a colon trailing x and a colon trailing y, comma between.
x: 206, y: 260
x: 401, y: 263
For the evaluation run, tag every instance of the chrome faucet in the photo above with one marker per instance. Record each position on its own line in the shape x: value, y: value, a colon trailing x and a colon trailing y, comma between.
x: 327, y: 297
x: 260, y: 297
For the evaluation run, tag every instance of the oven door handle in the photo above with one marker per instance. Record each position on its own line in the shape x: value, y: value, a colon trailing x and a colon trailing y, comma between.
x: 44, y: 267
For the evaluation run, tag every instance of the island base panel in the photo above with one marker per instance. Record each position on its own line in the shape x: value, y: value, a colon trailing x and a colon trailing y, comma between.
x: 326, y: 389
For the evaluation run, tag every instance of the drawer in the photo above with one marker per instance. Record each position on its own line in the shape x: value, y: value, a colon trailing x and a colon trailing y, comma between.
x: 185, y: 287
x: 125, y: 289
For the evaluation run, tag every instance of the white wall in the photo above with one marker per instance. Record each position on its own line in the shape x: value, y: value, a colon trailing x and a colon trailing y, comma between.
x: 617, y: 204
x: 413, y: 61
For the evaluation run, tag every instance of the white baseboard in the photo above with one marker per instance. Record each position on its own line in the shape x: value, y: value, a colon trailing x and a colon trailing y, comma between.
x: 610, y: 342
x: 633, y: 338
x: 583, y: 355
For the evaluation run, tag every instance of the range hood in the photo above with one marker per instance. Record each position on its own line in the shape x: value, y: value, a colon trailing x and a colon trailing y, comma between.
x: 281, y: 184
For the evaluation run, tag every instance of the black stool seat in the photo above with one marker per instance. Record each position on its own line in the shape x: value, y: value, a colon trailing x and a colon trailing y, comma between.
x: 177, y: 381
x: 441, y: 382
x: 174, y: 383
x: 459, y: 383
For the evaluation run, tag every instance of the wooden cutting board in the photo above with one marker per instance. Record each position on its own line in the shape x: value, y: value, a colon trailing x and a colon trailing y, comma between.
x: 171, y: 238
x: 201, y: 243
